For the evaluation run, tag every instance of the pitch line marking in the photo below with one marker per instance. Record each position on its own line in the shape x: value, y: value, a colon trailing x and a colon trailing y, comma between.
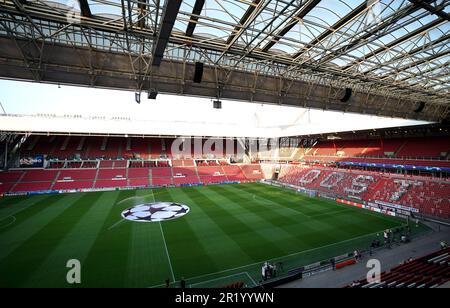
x: 167, y: 252
x: 345, y: 206
x: 267, y: 202
x: 253, y: 281
x: 9, y: 224
x: 116, y: 224
x: 277, y: 258
x: 17, y: 212
x: 141, y: 198
x: 165, y: 244
x: 219, y: 278
x: 331, y: 212
x: 153, y: 195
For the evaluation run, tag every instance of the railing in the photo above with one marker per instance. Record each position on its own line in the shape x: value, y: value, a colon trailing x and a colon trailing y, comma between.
x: 378, y: 157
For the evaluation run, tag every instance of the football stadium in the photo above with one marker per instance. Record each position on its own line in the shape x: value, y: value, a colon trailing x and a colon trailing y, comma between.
x: 224, y: 144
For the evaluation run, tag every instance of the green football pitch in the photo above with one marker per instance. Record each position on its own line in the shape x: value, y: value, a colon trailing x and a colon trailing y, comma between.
x: 227, y: 235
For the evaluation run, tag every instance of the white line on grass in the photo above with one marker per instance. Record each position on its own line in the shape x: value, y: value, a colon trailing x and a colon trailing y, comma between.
x: 219, y: 278
x: 9, y: 224
x: 366, y: 212
x: 165, y: 244
x: 266, y: 202
x: 330, y: 213
x: 116, y: 224
x: 153, y: 195
x: 277, y: 258
x: 16, y: 212
x: 139, y: 198
x: 167, y: 252
x: 253, y: 281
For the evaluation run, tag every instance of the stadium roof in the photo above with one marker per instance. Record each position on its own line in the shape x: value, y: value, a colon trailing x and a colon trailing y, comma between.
x: 392, y: 54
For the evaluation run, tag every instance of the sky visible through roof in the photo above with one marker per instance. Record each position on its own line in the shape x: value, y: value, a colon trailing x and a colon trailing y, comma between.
x: 220, y: 18
x: 33, y: 98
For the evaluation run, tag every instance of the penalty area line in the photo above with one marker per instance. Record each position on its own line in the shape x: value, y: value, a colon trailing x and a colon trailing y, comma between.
x: 253, y: 281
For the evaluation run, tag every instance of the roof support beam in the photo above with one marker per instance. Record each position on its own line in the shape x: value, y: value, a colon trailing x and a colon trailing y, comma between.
x: 84, y: 7
x: 169, y: 15
x: 196, y: 11
x: 169, y: 77
x: 358, y: 10
x: 439, y: 11
x: 398, y: 41
x: 303, y: 12
x: 426, y: 74
x: 373, y: 34
x: 243, y: 20
x: 19, y: 3
x: 412, y: 52
x: 417, y: 63
x: 143, y: 8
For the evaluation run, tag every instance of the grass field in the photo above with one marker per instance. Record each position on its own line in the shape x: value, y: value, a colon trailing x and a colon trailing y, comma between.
x: 229, y: 231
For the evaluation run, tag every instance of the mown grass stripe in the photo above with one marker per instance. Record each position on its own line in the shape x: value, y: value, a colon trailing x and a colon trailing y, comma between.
x: 214, y: 240
x: 282, y: 230
x: 37, y: 204
x: 146, y: 261
x: 305, y: 205
x: 76, y: 244
x: 30, y: 254
x: 30, y: 221
x: 14, y: 206
x: 185, y: 245
x: 105, y: 263
x: 227, y: 231
x: 244, y: 235
x: 319, y: 233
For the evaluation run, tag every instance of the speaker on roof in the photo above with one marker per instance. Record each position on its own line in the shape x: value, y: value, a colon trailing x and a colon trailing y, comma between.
x: 137, y: 97
x: 347, y: 95
x: 152, y: 94
x: 420, y: 107
x: 198, y: 75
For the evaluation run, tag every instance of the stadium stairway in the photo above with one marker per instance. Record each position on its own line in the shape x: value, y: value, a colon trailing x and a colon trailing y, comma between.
x: 18, y: 181
x: 94, y: 182
x: 222, y: 169
x: 429, y: 271
x: 171, y: 172
x: 55, y: 180
x: 196, y: 173
x: 399, y: 150
x: 150, y: 177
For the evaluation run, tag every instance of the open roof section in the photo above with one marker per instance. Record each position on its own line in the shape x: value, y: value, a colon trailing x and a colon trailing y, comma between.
x: 393, y: 53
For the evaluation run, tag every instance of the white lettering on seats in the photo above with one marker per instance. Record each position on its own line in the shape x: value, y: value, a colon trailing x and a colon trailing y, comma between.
x: 359, y: 184
x: 309, y: 177
x: 403, y: 188
x: 332, y: 180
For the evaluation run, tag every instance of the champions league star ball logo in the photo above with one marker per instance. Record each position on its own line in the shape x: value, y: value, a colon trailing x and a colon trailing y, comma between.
x: 155, y: 212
